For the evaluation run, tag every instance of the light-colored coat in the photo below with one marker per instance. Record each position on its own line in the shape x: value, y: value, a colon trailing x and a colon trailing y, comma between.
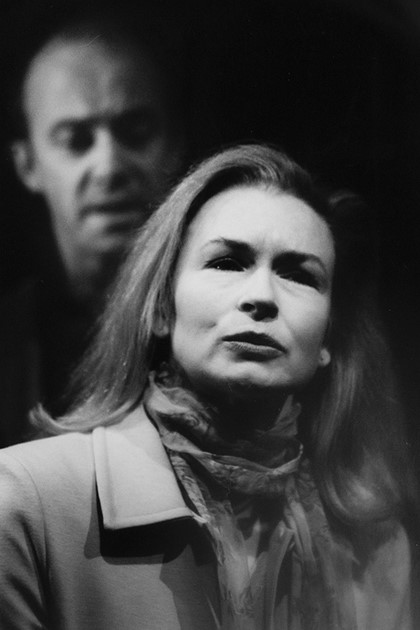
x: 95, y: 534
x: 113, y: 575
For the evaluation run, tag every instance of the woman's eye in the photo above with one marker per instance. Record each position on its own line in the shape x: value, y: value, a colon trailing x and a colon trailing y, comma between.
x: 300, y: 276
x: 225, y: 264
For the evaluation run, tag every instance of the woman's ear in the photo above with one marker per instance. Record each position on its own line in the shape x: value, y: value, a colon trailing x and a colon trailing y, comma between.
x: 161, y: 327
x: 324, y: 357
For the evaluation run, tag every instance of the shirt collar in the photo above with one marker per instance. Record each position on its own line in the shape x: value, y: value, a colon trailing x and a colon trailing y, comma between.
x: 134, y: 477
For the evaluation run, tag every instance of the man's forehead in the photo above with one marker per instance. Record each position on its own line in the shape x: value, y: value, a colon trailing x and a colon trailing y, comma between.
x: 87, y: 77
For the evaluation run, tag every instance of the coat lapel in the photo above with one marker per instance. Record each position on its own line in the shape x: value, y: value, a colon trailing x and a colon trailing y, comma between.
x: 134, y: 477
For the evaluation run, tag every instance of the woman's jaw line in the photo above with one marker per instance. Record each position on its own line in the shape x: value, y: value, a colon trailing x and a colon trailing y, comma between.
x: 239, y: 406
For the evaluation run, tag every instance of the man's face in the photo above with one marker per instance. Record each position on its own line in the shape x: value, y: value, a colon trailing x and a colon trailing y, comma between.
x: 101, y: 147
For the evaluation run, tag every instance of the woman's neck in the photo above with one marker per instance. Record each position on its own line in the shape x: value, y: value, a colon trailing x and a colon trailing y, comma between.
x: 241, y: 417
x: 234, y: 414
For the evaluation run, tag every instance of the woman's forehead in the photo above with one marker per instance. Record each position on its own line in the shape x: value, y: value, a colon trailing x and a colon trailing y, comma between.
x: 263, y: 218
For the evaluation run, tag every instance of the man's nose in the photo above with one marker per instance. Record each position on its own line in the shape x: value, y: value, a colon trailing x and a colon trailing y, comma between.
x: 258, y: 297
x: 108, y: 160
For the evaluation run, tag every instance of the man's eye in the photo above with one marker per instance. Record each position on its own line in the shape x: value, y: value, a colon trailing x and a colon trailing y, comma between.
x: 225, y: 264
x: 300, y: 276
x: 134, y: 132
x: 74, y: 139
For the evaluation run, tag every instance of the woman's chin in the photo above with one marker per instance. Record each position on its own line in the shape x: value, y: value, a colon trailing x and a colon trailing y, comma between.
x: 245, y: 387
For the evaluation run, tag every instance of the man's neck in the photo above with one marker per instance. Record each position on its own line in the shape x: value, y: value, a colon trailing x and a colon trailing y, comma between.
x: 89, y: 279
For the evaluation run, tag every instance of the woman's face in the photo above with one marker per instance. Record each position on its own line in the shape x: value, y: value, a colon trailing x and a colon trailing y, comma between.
x: 253, y: 294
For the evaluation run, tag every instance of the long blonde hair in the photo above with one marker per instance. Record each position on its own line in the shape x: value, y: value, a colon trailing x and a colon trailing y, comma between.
x: 352, y: 419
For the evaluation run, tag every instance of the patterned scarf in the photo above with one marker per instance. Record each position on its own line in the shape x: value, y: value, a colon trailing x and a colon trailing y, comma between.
x: 298, y: 576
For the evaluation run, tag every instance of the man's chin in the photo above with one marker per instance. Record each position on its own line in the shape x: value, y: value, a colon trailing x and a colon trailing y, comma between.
x: 109, y: 246
x: 111, y: 236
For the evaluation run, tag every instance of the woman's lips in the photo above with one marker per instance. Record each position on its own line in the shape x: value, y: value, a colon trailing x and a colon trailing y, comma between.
x: 258, y: 345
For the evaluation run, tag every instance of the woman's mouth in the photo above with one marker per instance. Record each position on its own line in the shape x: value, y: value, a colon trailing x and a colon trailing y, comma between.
x: 257, y: 345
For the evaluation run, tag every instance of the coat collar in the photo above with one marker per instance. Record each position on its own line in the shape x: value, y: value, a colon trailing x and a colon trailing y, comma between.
x: 134, y: 477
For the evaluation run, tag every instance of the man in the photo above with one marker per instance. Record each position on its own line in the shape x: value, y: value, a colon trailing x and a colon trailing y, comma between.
x: 102, y: 142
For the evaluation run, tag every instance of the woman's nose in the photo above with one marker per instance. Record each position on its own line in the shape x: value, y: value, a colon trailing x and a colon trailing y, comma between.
x: 258, y: 298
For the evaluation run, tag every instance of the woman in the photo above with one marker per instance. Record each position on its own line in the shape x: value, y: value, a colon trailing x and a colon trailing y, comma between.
x: 235, y: 458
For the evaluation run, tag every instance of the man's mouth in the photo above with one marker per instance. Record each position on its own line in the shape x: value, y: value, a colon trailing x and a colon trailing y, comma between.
x: 114, y: 207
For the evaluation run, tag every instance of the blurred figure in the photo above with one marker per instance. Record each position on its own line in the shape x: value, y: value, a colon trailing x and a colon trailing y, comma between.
x: 101, y: 139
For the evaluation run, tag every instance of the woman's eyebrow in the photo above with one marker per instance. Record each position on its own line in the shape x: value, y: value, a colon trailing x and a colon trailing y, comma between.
x: 293, y: 257
x: 232, y: 244
x: 288, y: 257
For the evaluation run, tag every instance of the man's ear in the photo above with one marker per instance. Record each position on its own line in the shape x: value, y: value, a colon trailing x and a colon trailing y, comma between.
x: 24, y: 161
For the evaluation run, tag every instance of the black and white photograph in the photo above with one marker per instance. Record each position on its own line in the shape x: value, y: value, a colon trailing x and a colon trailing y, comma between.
x: 210, y: 315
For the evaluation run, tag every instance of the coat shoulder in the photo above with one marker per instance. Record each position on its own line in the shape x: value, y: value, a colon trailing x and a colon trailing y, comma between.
x: 52, y: 463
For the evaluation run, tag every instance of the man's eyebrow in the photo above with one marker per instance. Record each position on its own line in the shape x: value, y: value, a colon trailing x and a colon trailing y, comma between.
x: 286, y: 258
x: 68, y: 123
x: 108, y: 117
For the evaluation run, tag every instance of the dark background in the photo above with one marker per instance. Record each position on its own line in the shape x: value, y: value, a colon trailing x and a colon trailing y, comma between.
x: 335, y: 82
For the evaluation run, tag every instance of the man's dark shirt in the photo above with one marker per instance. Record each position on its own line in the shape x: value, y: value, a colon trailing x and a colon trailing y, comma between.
x: 43, y: 334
